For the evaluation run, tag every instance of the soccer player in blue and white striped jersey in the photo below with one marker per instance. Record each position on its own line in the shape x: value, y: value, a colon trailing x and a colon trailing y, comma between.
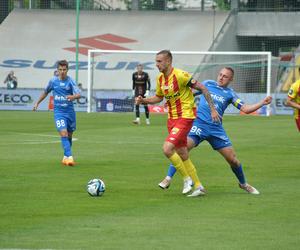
x: 65, y: 91
x: 204, y: 128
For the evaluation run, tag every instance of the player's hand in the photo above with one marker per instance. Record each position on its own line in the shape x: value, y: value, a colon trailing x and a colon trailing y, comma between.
x: 267, y: 100
x: 215, y: 116
x: 70, y: 98
x: 147, y: 93
x: 139, y: 100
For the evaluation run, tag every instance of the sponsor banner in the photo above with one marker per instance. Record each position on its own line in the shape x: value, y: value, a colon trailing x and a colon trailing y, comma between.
x: 279, y: 105
x: 114, y: 105
x: 23, y: 99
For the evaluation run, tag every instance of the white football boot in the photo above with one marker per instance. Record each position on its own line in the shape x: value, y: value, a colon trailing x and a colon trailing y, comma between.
x: 248, y: 188
x: 187, y: 185
x: 165, y: 183
x: 137, y: 121
x: 200, y: 191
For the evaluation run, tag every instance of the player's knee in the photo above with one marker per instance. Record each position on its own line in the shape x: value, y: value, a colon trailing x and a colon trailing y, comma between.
x: 167, y: 151
x: 63, y: 133
x: 184, y: 156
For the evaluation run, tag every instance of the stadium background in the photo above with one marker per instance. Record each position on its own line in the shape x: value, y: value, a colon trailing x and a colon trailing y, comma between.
x: 36, y: 33
x: 45, y: 206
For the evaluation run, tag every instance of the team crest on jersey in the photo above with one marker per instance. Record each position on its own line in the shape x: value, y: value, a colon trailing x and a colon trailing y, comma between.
x: 61, y: 84
x: 168, y: 87
x: 193, y: 81
x: 174, y: 131
x: 290, y: 92
x: 186, y: 74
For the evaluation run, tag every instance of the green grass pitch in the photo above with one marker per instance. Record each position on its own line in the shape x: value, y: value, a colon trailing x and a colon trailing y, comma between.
x: 44, y: 205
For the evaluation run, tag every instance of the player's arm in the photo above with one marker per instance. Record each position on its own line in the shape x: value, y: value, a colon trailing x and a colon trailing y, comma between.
x: 76, y: 93
x: 41, y: 98
x: 249, y: 108
x: 73, y: 97
x: 149, y: 100
x: 199, y: 86
x: 133, y: 85
x: 148, y: 85
x: 290, y: 102
x: 293, y: 91
x: 5, y: 80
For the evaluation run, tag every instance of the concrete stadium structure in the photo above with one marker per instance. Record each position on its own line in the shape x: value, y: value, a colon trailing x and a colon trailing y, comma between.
x: 33, y: 40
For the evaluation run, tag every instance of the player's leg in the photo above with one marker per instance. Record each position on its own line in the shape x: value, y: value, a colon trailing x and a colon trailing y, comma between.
x: 66, y: 147
x: 195, y: 136
x: 147, y: 114
x: 192, y: 172
x: 137, y: 115
x: 70, y: 137
x: 219, y: 141
x: 71, y: 127
x: 171, y: 154
x: 169, y: 148
x: 165, y: 183
x: 63, y: 123
x: 178, y: 137
x: 229, y: 155
x: 61, y: 126
x: 298, y: 123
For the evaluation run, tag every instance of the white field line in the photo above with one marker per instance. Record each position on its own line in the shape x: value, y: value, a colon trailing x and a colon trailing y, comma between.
x: 37, y: 141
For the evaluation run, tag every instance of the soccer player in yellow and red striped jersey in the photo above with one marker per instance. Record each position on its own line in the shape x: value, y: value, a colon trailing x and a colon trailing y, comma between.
x: 293, y: 100
x: 175, y: 86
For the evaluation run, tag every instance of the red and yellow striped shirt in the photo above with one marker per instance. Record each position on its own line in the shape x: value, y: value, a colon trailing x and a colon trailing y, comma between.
x: 294, y: 93
x: 179, y: 96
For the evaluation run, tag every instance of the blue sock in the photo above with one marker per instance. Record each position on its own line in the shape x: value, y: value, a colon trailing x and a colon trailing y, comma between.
x: 238, y: 171
x: 70, y: 140
x: 66, y: 146
x: 171, y: 171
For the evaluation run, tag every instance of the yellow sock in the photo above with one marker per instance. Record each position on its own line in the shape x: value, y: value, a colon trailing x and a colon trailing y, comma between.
x: 192, y: 172
x: 178, y: 164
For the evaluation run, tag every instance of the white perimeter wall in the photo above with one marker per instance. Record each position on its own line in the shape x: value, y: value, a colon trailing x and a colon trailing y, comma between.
x: 31, y: 41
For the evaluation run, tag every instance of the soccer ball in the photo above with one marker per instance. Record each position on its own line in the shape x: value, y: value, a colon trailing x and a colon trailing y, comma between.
x: 95, y: 187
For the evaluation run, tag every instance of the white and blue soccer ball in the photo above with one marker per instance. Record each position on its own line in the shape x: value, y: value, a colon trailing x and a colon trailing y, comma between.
x: 95, y: 187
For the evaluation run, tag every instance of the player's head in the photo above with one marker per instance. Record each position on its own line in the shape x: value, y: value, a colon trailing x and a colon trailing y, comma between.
x: 225, y: 76
x: 164, y: 60
x: 139, y: 68
x: 62, y: 68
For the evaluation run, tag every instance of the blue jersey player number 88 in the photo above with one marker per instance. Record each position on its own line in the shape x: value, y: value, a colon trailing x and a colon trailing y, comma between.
x: 65, y: 91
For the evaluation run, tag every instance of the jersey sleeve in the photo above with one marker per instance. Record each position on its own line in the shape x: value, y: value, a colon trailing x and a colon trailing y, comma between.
x: 236, y: 101
x: 293, y: 90
x: 75, y: 88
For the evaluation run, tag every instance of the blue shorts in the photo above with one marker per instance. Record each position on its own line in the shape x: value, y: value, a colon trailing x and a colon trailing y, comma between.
x: 65, y: 121
x: 213, y: 133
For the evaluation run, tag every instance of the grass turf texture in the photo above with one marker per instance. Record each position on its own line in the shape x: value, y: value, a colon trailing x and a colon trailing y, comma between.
x: 45, y: 205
